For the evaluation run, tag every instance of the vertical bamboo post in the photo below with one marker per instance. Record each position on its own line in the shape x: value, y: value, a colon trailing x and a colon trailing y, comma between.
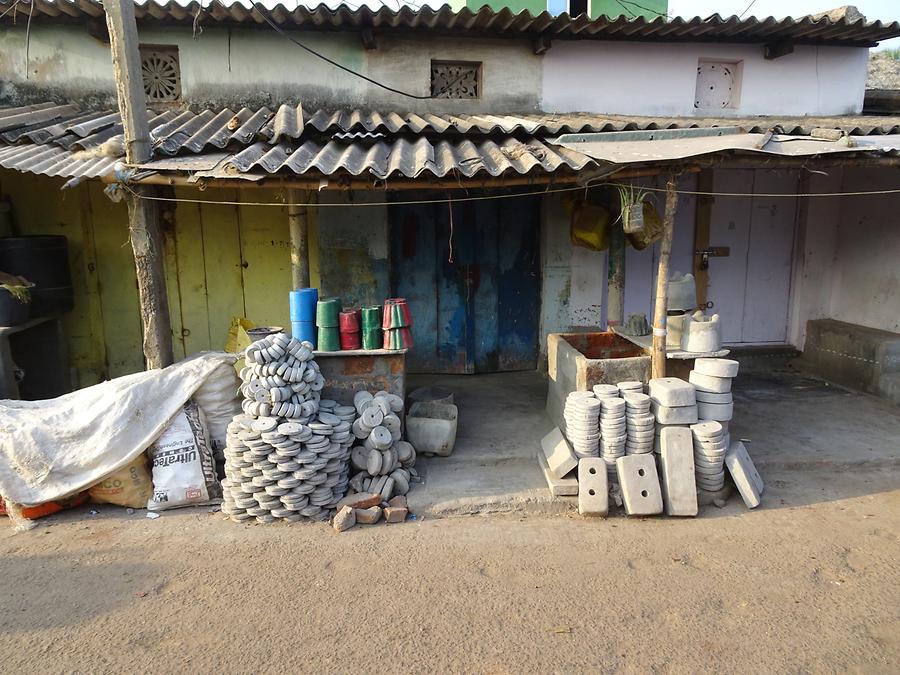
x: 615, y: 277
x: 143, y: 216
x: 299, y: 226
x: 658, y: 355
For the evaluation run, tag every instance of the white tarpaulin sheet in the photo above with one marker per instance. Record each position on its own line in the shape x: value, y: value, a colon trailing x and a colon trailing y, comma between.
x: 54, y: 448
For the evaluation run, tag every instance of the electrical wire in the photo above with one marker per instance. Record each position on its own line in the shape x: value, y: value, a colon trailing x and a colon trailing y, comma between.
x: 274, y: 26
x: 747, y: 9
x: 577, y: 188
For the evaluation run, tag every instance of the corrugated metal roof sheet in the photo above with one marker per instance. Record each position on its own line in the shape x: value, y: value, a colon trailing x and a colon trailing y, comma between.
x: 409, y: 158
x: 504, y: 22
x: 60, y: 140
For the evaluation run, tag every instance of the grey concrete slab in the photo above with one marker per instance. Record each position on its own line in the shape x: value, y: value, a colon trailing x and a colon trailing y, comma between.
x: 679, y: 488
x: 559, y: 487
x: 593, y: 487
x: 640, y: 485
x: 672, y: 391
x: 682, y: 415
x: 716, y: 367
x: 559, y: 453
x: 716, y: 385
x: 746, y: 478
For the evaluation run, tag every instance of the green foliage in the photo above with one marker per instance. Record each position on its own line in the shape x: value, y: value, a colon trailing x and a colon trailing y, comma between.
x: 892, y: 53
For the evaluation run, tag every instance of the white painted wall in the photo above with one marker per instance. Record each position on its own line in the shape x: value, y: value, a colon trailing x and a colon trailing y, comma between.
x: 632, y: 78
x: 866, y: 282
x: 258, y: 67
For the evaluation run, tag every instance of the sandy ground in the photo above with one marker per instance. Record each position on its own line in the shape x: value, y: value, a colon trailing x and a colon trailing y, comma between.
x: 809, y: 582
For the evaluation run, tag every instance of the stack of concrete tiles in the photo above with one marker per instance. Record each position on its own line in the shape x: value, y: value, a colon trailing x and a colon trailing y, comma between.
x: 710, y: 445
x: 712, y: 380
x: 613, y: 431
x: 582, y: 414
x: 639, y: 423
x: 673, y: 403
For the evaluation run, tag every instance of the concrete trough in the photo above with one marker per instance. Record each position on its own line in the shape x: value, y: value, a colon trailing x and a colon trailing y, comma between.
x: 578, y: 361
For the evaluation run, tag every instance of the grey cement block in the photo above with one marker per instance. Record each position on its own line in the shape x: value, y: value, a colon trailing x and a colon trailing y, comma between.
x: 593, y: 487
x: 640, y: 485
x: 559, y: 487
x: 672, y: 392
x: 679, y: 487
x: 560, y: 457
x: 682, y: 415
x: 717, y: 385
x: 710, y: 397
x: 716, y: 367
x: 743, y: 471
x: 715, y: 411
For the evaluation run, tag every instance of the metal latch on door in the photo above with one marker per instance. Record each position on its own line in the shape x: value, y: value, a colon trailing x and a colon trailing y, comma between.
x: 712, y: 252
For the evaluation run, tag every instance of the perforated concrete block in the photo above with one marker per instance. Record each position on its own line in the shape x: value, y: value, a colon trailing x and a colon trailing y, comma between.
x: 715, y: 411
x: 559, y: 454
x: 672, y: 391
x: 593, y: 487
x: 640, y: 485
x: 717, y: 385
x: 681, y: 415
x: 746, y: 478
x: 679, y: 488
x: 559, y: 487
x: 716, y: 367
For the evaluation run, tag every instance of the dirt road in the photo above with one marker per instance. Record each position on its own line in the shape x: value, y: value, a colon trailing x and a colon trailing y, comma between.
x: 808, y: 583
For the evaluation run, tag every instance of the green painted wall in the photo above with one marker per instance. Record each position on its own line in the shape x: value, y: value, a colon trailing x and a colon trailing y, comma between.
x: 649, y: 9
x: 222, y: 260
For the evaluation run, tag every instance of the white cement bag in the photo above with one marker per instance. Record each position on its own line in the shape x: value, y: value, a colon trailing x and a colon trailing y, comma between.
x: 182, y: 463
x: 219, y: 399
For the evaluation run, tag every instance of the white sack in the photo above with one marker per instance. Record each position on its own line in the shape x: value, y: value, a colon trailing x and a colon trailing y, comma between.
x: 219, y: 399
x: 54, y: 448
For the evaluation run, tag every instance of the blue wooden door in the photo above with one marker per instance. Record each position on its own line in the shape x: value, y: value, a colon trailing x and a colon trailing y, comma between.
x: 473, y: 285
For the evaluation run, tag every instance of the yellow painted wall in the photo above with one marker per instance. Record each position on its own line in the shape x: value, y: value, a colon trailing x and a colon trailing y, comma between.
x: 222, y: 260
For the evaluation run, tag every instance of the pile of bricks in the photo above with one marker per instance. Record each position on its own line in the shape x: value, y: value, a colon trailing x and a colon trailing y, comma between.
x: 368, y: 508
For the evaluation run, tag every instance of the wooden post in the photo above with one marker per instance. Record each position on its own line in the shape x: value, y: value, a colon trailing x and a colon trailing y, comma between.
x: 658, y: 355
x: 299, y: 224
x: 702, y: 221
x: 615, y: 277
x: 143, y: 216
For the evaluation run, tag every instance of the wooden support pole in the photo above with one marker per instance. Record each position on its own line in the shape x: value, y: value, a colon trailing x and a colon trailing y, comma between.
x: 658, y: 354
x: 143, y: 216
x: 298, y: 219
x: 615, y: 277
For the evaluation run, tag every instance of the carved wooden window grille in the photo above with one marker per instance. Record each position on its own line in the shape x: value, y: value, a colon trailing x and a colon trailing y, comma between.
x: 455, y: 79
x: 161, y: 72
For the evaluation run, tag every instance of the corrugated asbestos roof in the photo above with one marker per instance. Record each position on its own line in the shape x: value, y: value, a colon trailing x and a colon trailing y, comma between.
x: 504, y: 22
x: 61, y: 140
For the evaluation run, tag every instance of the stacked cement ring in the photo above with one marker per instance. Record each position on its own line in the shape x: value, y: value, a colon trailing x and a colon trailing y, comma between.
x: 639, y: 423
x: 630, y: 387
x: 284, y: 457
x: 710, y: 445
x: 613, y: 431
x: 582, y: 413
x: 383, y: 459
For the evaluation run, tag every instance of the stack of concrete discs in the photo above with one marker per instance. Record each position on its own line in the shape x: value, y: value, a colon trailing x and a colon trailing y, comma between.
x: 639, y: 423
x: 382, y: 459
x: 613, y: 432
x: 712, y: 380
x: 284, y: 457
x: 606, y: 391
x: 582, y: 414
x: 630, y: 387
x: 710, y: 445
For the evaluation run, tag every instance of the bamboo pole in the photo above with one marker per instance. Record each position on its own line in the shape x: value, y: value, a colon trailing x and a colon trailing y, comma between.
x: 615, y: 277
x: 298, y: 219
x: 658, y: 354
x: 143, y: 216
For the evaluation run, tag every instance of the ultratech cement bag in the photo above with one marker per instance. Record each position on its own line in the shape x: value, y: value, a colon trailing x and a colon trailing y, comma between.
x: 182, y: 463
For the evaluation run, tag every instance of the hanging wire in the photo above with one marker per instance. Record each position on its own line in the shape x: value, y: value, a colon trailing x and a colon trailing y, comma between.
x: 413, y: 202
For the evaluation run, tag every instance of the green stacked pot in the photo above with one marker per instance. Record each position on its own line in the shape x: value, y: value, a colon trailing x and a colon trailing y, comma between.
x: 327, y: 312
x: 371, y: 327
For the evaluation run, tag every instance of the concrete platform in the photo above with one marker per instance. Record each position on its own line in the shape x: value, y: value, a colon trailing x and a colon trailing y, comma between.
x: 791, y: 423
